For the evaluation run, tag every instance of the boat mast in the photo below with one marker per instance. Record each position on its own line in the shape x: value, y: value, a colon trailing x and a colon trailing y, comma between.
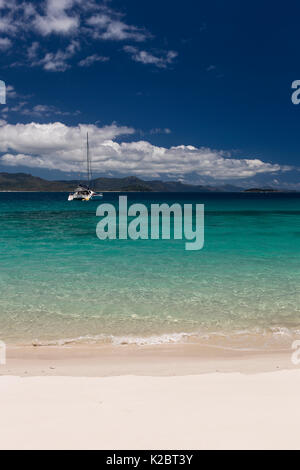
x: 89, y: 171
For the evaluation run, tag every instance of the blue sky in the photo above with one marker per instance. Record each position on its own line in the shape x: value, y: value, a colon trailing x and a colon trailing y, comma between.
x: 191, y: 91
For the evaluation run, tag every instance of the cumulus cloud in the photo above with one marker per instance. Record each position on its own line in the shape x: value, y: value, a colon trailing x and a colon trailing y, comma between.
x: 57, y: 18
x: 161, y: 61
x: 60, y: 147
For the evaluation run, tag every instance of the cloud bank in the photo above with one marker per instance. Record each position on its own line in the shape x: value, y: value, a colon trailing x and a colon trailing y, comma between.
x: 57, y: 146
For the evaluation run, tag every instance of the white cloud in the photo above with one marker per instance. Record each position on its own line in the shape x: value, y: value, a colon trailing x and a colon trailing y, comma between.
x: 32, y: 51
x: 40, y: 110
x: 70, y: 20
x: 7, y: 26
x: 18, y: 108
x: 110, y: 27
x: 57, y: 18
x: 58, y: 62
x: 16, y: 17
x: 90, y: 60
x: 5, y: 43
x: 11, y: 92
x: 22, y: 106
x: 57, y: 146
x: 45, y: 110
x: 162, y: 61
x: 161, y: 131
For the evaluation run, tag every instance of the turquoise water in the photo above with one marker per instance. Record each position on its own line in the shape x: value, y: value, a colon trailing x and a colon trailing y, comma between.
x: 58, y: 281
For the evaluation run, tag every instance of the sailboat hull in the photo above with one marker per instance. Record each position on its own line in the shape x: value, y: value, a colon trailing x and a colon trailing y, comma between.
x: 81, y: 195
x: 85, y: 195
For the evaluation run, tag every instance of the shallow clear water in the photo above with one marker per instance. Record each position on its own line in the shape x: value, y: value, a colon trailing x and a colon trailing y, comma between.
x: 58, y: 280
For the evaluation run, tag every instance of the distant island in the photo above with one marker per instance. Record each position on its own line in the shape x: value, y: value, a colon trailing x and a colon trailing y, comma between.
x: 27, y: 182
x: 262, y: 190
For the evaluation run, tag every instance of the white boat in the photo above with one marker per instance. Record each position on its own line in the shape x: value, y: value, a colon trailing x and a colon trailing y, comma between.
x: 84, y: 192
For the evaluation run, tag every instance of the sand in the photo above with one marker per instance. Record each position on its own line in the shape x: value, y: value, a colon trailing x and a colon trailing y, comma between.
x: 94, y: 360
x: 148, y: 399
x: 211, y: 411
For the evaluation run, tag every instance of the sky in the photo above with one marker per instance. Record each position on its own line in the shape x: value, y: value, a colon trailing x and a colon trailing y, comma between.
x: 198, y: 92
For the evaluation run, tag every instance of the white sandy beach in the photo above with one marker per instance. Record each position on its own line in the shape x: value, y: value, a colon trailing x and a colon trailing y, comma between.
x: 209, y: 411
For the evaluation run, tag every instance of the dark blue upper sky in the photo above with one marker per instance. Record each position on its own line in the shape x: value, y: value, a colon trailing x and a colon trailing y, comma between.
x: 213, y: 75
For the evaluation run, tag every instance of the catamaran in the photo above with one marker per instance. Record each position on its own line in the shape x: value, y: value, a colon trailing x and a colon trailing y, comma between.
x: 84, y: 192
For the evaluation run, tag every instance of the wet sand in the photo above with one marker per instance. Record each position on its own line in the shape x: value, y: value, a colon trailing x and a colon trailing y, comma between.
x: 92, y: 360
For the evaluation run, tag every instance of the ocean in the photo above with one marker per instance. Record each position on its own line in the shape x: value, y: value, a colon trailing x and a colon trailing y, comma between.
x: 60, y: 284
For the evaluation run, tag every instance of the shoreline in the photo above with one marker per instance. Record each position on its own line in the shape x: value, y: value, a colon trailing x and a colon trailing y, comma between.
x: 159, y: 360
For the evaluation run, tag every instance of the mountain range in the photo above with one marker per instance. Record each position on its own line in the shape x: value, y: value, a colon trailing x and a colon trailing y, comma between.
x: 27, y: 182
